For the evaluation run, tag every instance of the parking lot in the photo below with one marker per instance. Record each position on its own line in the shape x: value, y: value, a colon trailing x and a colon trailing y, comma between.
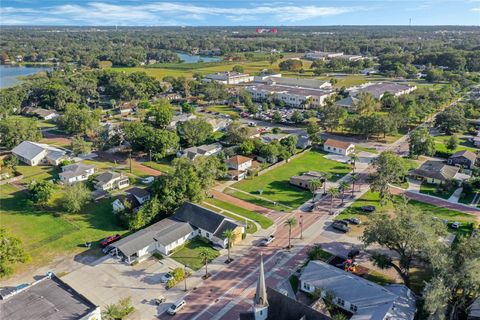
x: 108, y: 280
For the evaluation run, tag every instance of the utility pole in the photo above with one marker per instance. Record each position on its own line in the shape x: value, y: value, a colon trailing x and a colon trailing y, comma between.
x: 301, y: 226
x: 185, y: 276
x: 130, y: 158
x: 150, y: 155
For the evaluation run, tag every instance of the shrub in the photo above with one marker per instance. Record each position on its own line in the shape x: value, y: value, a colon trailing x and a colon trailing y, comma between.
x: 157, y: 255
x: 171, y: 283
x: 178, y: 274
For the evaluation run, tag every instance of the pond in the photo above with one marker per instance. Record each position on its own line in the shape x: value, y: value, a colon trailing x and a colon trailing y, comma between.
x: 9, y: 74
x: 190, y: 58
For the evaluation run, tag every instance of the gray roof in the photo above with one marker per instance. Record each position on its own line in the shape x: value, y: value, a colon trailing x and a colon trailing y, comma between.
x: 306, y: 83
x: 347, y: 102
x: 199, y: 217
x: 106, y: 177
x: 224, y: 76
x: 436, y: 170
x: 28, y: 150
x: 46, y: 299
x: 76, y: 169
x: 466, y: 154
x: 192, y: 152
x: 290, y: 90
x: 374, y: 302
x: 474, y: 309
x: 138, y: 192
x: 378, y: 89
x: 226, y: 225
x: 173, y: 232
x: 260, y: 298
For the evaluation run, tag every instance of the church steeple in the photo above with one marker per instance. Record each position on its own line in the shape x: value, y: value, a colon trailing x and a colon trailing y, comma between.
x: 260, y: 302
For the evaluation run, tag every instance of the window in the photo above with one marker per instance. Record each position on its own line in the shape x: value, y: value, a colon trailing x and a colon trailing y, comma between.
x: 306, y: 286
x: 353, y: 308
x: 207, y: 234
x: 340, y: 302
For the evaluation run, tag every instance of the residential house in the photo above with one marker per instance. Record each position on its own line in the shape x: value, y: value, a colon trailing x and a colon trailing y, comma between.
x: 135, y: 196
x: 364, y: 299
x: 238, y: 167
x: 348, y: 103
x: 474, y: 310
x: 203, y: 150
x: 218, y: 124
x: 111, y: 180
x: 48, y: 298
x: 269, y: 304
x: 464, y: 159
x: 181, y: 118
x: 76, y: 172
x: 189, y: 221
x: 270, y: 137
x: 127, y: 108
x: 303, y: 142
x: 41, y: 113
x: 304, y: 181
x: 435, y: 172
x: 343, y: 148
x: 291, y: 96
x: 33, y: 153
x: 228, y: 77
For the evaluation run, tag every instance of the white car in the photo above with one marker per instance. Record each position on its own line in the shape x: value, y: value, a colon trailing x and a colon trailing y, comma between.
x: 266, y: 241
x: 166, y: 277
x: 175, y: 307
x: 148, y: 180
x: 455, y: 225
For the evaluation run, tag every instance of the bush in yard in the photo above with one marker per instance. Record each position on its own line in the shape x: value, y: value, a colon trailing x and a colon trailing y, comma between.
x: 157, y: 255
x: 171, y: 283
x: 40, y: 192
x: 75, y: 197
x: 178, y: 274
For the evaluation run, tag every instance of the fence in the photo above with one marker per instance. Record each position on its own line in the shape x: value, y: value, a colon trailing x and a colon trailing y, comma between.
x: 13, y: 179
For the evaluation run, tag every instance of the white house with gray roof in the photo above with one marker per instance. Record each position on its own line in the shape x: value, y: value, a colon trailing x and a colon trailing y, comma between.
x: 203, y: 150
x: 76, y: 172
x: 188, y: 222
x: 34, y: 154
x: 364, y: 299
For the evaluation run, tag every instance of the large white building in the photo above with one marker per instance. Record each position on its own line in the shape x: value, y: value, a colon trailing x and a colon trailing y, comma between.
x: 34, y: 154
x: 292, y: 96
x: 321, y: 55
x: 229, y: 77
x: 378, y: 89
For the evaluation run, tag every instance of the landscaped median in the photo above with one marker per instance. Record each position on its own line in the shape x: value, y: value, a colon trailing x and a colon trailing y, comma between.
x: 273, y: 189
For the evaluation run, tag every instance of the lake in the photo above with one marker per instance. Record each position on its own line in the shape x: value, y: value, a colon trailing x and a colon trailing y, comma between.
x: 190, y: 58
x: 9, y: 74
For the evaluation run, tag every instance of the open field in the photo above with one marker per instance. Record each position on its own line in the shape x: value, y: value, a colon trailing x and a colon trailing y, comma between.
x: 432, y: 189
x: 48, y: 234
x: 275, y: 184
x: 372, y: 198
x: 251, y: 227
x: 463, y: 144
x: 188, y: 253
x: 223, y: 109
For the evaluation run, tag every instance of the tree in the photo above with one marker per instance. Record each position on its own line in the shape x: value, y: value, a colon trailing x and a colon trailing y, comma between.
x: 160, y: 114
x: 237, y: 133
x: 290, y: 223
x: 206, y: 256
x: 353, y: 178
x: 11, y: 162
x: 409, y: 233
x: 342, y: 187
x: 195, y: 132
x: 333, y: 193
x: 79, y: 119
x: 314, y: 185
x: 291, y: 65
x: 187, y: 108
x: 331, y: 115
x: 313, y: 130
x: 11, y: 252
x: 289, y: 145
x: 118, y: 311
x: 420, y: 142
x: 80, y: 146
x: 238, y: 68
x: 353, y: 160
x: 296, y: 117
x: 75, y: 196
x: 230, y: 236
x: 247, y: 147
x: 160, y: 142
x: 41, y: 191
x: 366, y: 103
x: 14, y: 131
x: 390, y: 169
x: 452, y: 143
x: 451, y: 120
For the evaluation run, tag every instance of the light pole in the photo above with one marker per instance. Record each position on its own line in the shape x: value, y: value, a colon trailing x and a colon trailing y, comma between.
x: 185, y: 276
x: 301, y: 226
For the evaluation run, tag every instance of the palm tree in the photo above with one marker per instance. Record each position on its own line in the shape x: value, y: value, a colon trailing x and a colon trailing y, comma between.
x: 230, y: 236
x: 206, y: 256
x: 342, y: 186
x: 290, y: 222
x: 353, y: 160
x: 333, y: 193
x: 353, y: 179
x: 110, y: 312
x: 314, y: 185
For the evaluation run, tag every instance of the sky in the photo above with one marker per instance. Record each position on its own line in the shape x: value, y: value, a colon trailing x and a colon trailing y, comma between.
x: 238, y: 12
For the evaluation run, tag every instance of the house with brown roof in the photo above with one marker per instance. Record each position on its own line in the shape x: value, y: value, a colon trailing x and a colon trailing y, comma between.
x: 343, y: 148
x: 304, y: 181
x: 464, y: 159
x: 238, y: 167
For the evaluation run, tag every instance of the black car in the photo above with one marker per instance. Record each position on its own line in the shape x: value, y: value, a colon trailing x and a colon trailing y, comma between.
x: 337, y: 225
x: 368, y: 208
x: 344, y: 221
x: 354, y: 220
x: 353, y: 253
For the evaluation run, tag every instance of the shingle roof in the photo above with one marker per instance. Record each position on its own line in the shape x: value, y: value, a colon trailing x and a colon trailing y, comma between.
x: 465, y: 153
x: 106, y: 177
x: 338, y: 143
x: 74, y: 170
x: 225, y: 225
x: 199, y: 217
x: 46, y: 299
x: 138, y: 192
x: 238, y: 160
x: 173, y: 232
x: 28, y: 150
x: 436, y: 170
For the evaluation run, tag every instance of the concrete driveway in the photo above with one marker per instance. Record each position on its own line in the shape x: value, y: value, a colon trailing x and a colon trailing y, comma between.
x: 109, y: 280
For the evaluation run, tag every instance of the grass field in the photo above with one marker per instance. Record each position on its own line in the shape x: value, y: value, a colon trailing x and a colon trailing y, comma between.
x: 47, y: 235
x: 188, y: 253
x: 162, y: 166
x: 263, y: 221
x: 223, y: 109
x: 464, y: 144
x: 275, y: 184
x: 432, y: 189
x: 251, y: 227
x: 373, y: 198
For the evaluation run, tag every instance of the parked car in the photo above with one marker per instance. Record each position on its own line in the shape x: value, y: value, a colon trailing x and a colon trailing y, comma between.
x: 107, y: 249
x: 266, y: 241
x: 166, y: 277
x: 455, y: 225
x: 344, y: 222
x: 175, y: 307
x: 161, y: 299
x: 340, y: 226
x: 148, y: 180
x: 368, y: 208
x: 354, y: 220
x: 353, y: 253
x: 110, y: 239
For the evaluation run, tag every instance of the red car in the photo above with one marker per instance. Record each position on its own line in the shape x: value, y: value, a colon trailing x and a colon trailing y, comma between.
x: 110, y: 239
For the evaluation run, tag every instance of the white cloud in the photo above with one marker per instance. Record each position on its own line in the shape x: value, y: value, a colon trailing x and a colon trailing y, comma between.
x: 476, y: 9
x: 164, y: 13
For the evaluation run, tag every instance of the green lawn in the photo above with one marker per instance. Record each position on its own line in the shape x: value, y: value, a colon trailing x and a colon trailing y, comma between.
x: 223, y: 109
x: 188, y: 253
x: 433, y: 190
x: 464, y: 144
x: 275, y: 183
x: 371, y: 150
x: 263, y: 221
x: 253, y: 199
x: 48, y: 234
x: 164, y: 167
x: 38, y: 173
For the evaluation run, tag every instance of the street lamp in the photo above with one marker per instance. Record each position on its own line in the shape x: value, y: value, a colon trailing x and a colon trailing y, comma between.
x: 301, y: 226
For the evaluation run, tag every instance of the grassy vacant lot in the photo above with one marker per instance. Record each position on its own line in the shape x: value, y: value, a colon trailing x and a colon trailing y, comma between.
x: 50, y: 234
x: 433, y: 190
x: 223, y: 109
x: 251, y: 227
x: 275, y: 183
x: 464, y: 144
x: 263, y: 221
x: 188, y: 254
x: 160, y: 166
x: 372, y: 198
